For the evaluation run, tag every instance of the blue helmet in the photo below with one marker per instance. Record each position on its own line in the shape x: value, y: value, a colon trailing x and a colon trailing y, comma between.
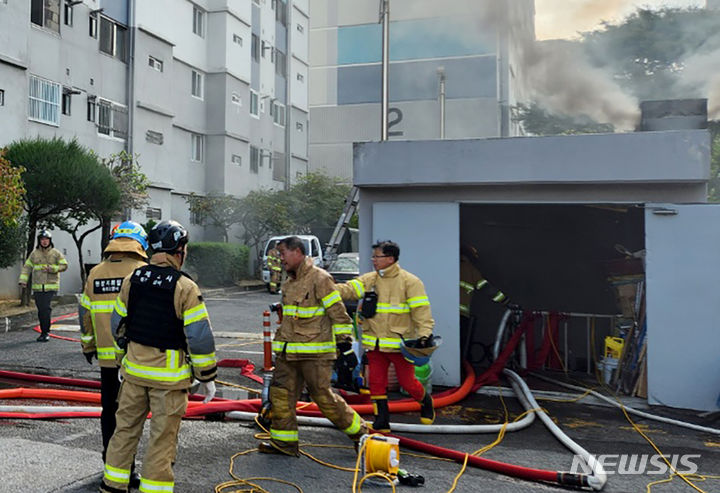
x: 418, y: 351
x: 131, y: 229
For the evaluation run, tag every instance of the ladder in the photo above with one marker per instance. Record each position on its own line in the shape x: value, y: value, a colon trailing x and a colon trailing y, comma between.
x: 341, y: 227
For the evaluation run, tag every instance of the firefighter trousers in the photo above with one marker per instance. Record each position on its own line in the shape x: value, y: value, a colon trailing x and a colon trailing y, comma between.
x: 43, y: 300
x: 288, y: 381
x: 168, y: 408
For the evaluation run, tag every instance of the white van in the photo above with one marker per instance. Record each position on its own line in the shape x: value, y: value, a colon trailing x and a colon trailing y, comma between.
x: 312, y: 248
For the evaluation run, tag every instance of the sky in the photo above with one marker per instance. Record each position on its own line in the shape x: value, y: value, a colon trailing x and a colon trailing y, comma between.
x: 565, y: 18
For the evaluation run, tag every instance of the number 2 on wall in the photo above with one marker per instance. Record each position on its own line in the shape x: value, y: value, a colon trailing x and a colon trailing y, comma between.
x: 394, y: 121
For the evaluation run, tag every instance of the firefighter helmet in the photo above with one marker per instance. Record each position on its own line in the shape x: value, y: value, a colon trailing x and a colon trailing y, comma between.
x: 131, y: 229
x: 418, y: 351
x: 167, y: 236
x: 44, y: 233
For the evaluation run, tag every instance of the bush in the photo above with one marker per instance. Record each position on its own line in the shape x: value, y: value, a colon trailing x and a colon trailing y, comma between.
x: 217, y: 264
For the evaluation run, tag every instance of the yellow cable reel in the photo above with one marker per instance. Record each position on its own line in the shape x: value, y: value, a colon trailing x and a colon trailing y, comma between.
x: 382, y: 456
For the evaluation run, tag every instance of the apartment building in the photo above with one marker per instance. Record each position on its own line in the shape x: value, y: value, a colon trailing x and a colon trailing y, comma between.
x: 453, y: 72
x: 211, y: 95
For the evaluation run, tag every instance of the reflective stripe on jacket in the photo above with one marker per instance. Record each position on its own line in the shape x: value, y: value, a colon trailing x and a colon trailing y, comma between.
x: 403, y: 308
x: 171, y: 368
x: 36, y: 263
x: 98, y: 303
x: 471, y: 282
x: 314, y: 317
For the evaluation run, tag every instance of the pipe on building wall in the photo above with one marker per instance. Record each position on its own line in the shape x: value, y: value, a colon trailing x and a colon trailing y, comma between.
x: 130, y: 84
x: 385, y: 20
x: 441, y: 75
x: 288, y: 97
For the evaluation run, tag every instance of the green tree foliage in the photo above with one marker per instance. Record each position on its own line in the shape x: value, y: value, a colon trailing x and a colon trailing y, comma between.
x: 67, y: 187
x: 647, y: 50
x: 264, y: 212
x: 12, y: 242
x: 12, y: 190
x: 221, y: 211
x: 132, y: 183
x: 538, y: 121
x: 316, y: 201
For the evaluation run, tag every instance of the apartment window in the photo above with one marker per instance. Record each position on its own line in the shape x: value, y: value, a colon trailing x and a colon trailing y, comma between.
x: 237, y: 39
x: 44, y: 101
x: 281, y: 12
x: 154, y: 213
x: 236, y: 160
x: 300, y: 28
x: 255, y: 48
x: 254, y: 100
x: 46, y: 13
x: 68, y: 10
x: 236, y: 99
x: 2, y: 97
x: 197, y: 84
x: 155, y: 63
x: 254, y: 159
x: 91, y: 109
x: 199, y: 22
x: 197, y: 148
x: 277, y: 111
x: 112, y: 119
x: 280, y: 61
x: 66, y: 104
x: 113, y: 38
x: 300, y: 77
x: 92, y: 26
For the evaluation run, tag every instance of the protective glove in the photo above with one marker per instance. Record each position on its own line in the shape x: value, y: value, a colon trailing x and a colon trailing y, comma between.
x: 207, y: 389
x: 343, y: 347
x: 424, y: 342
x: 89, y: 356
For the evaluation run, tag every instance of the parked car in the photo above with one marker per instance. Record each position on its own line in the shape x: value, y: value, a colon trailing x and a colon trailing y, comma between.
x: 312, y: 248
x: 345, y: 267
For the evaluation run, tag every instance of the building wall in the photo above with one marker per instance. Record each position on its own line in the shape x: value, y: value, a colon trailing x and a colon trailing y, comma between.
x: 345, y: 73
x: 164, y: 115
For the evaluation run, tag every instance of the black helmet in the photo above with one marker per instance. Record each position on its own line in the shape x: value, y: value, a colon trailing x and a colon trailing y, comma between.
x: 167, y: 236
x: 44, y: 233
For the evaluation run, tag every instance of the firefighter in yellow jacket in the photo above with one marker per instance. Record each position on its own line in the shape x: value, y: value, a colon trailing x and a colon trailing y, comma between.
x: 161, y: 318
x: 274, y: 264
x: 124, y: 253
x: 45, y: 263
x: 403, y: 312
x: 314, y: 326
x: 472, y: 281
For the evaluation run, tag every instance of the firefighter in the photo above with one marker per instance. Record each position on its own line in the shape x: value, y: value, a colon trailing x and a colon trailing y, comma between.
x: 472, y: 281
x: 45, y: 263
x: 401, y: 312
x: 314, y: 327
x: 161, y: 319
x: 125, y: 253
x: 275, y: 267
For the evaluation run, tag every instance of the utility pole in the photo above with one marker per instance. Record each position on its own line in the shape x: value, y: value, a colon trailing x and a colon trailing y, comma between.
x: 385, y: 21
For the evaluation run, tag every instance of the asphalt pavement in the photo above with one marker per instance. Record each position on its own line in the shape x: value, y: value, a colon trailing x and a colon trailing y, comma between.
x: 64, y: 455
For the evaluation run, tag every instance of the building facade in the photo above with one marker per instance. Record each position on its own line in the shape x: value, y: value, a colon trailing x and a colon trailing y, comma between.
x: 211, y: 95
x: 469, y: 48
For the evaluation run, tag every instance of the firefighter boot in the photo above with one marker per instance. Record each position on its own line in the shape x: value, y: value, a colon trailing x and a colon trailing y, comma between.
x: 427, y: 411
x: 382, y: 416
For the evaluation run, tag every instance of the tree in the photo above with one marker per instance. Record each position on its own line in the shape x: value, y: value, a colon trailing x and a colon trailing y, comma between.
x: 64, y: 183
x: 264, y: 212
x: 538, y: 121
x: 12, y: 190
x: 132, y: 184
x: 316, y: 201
x: 648, y: 51
x: 218, y: 210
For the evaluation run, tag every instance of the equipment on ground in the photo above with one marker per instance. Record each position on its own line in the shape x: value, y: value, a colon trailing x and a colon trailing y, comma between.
x: 380, y: 455
x: 418, y: 351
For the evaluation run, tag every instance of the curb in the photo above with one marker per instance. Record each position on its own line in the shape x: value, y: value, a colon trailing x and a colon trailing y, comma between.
x: 29, y: 319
